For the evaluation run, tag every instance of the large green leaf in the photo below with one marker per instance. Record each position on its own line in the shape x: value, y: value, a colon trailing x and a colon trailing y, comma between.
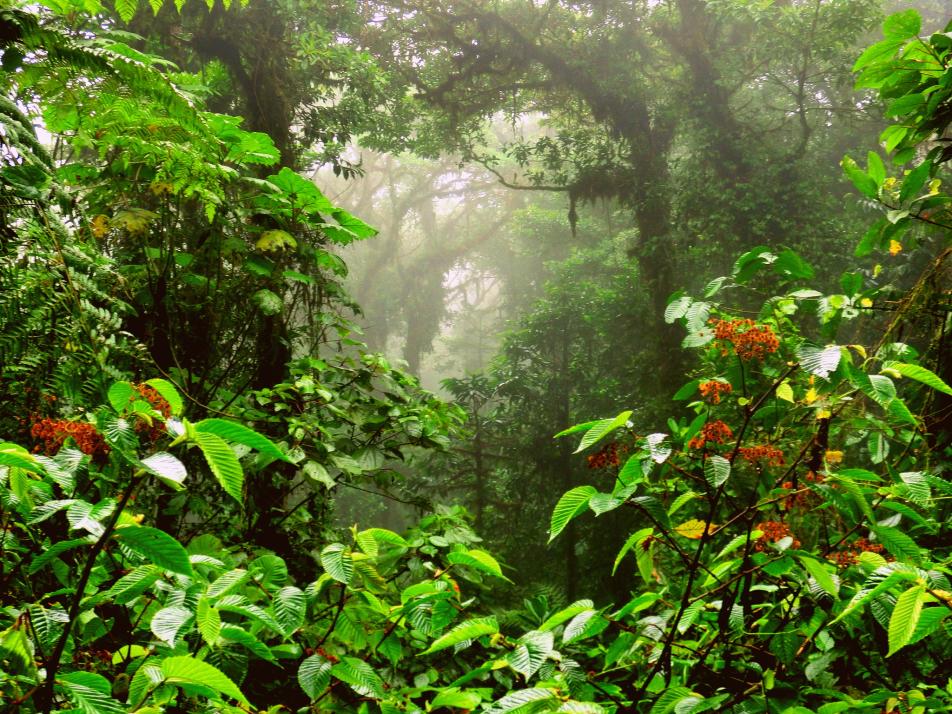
x: 168, y: 622
x: 156, y: 546
x: 359, y: 676
x: 469, y: 630
x: 134, y: 583
x: 520, y: 698
x: 920, y: 374
x: 208, y: 620
x: 820, y: 361
x: 478, y: 560
x: 120, y: 394
x: 904, y: 618
x: 289, y: 607
x: 166, y: 468
x: 188, y: 670
x: 566, y: 614
x: 456, y: 699
x: 531, y: 652
x: 863, y: 181
x: 91, y: 693
x: 601, y: 429
x: 820, y: 574
x: 223, y: 463
x: 169, y: 393
x: 338, y: 562
x: 717, y: 470
x: 572, y: 503
x: 18, y: 457
x: 314, y: 675
x: 239, y: 434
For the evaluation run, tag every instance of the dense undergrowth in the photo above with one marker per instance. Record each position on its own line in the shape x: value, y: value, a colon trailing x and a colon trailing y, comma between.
x: 181, y: 394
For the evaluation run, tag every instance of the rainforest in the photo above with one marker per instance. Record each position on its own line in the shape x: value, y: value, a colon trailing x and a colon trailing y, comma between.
x: 406, y: 356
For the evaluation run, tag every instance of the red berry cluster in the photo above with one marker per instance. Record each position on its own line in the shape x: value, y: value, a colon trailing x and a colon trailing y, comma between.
x: 850, y: 555
x: 713, y: 389
x: 604, y: 458
x: 763, y: 455
x: 749, y: 340
x: 322, y: 652
x: 50, y: 434
x: 714, y: 431
x: 774, y: 532
x: 153, y: 432
x: 803, y: 500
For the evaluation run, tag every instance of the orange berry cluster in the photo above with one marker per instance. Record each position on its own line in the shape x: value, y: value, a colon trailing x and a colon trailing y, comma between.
x: 322, y: 652
x: 850, y: 556
x: 803, y: 500
x: 52, y: 433
x: 605, y: 457
x: 764, y: 455
x: 713, y: 389
x: 153, y: 432
x: 774, y: 532
x: 158, y: 402
x: 749, y: 340
x: 714, y: 431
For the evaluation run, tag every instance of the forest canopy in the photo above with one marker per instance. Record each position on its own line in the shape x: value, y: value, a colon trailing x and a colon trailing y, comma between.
x: 675, y: 276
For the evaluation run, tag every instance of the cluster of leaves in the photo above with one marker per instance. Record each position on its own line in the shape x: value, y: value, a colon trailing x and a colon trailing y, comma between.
x: 108, y: 613
x: 163, y: 237
x: 791, y: 535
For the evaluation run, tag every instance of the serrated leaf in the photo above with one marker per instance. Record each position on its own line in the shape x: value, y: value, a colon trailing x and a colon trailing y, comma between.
x: 633, y: 541
x: 478, y: 560
x: 898, y: 543
x: 208, y: 620
x: 188, y: 670
x: 233, y: 633
x: 820, y: 361
x: 169, y: 393
x: 566, y: 614
x: 240, y: 434
x: 289, y: 607
x: 717, y: 470
x: 167, y: 468
x: 91, y: 693
x: 521, y: 698
x: 226, y: 582
x: 156, y: 546
x: 530, y: 653
x: 820, y: 574
x: 469, y: 630
x: 359, y: 676
x: 222, y: 462
x: 338, y: 562
x: 577, y: 625
x: 314, y: 675
x: 904, y: 618
x: 126, y: 9
x: 601, y: 429
x: 134, y: 583
x: 168, y: 622
x: 920, y: 374
x: 572, y: 503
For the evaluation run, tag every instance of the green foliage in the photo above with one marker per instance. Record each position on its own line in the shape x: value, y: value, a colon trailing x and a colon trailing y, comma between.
x: 790, y: 528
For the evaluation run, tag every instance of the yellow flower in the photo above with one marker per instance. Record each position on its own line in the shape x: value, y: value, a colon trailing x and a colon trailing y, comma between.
x: 894, y: 247
x: 99, y: 225
x: 834, y: 457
